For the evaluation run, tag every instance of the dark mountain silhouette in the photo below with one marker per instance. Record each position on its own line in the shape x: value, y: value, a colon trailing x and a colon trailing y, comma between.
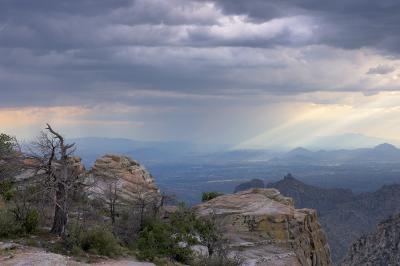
x: 307, y: 196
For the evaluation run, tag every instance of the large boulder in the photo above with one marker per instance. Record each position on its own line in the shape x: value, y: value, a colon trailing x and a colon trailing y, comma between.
x: 264, y: 228
x: 123, y: 175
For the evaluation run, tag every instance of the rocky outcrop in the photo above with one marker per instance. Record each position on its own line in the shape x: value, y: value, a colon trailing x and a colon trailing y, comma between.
x: 379, y: 248
x: 343, y: 215
x: 123, y: 175
x: 28, y: 168
x: 263, y: 227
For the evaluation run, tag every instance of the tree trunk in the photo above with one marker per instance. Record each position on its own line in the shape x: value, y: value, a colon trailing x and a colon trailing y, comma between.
x: 60, y: 213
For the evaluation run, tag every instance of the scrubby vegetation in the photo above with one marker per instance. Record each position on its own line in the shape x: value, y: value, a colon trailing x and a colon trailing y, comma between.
x: 96, y: 240
x: 175, y: 238
x: 7, y: 144
x: 17, y: 215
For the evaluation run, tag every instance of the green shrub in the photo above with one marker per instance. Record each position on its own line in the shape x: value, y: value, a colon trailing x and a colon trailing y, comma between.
x: 31, y: 221
x: 7, y: 190
x: 8, y: 226
x: 99, y: 241
x: 155, y: 241
x: 7, y: 144
x: 173, y: 238
x: 210, y: 195
x: 160, y: 239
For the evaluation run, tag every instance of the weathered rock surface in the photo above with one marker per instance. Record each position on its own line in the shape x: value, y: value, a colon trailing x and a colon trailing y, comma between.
x: 379, y: 248
x: 343, y: 215
x: 124, y: 175
x: 263, y: 227
x: 30, y: 167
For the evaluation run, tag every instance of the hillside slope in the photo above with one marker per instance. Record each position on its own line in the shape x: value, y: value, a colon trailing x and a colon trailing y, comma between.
x: 379, y: 248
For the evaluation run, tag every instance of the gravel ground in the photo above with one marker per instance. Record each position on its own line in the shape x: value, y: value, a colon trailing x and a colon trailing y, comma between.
x: 29, y: 256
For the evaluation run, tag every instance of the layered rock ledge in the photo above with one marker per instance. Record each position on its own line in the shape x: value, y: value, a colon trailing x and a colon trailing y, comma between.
x: 264, y: 228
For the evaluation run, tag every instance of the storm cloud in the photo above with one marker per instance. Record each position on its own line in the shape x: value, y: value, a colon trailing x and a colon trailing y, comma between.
x: 192, y: 56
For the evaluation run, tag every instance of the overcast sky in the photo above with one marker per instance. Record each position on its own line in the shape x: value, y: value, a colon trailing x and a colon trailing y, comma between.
x: 249, y: 73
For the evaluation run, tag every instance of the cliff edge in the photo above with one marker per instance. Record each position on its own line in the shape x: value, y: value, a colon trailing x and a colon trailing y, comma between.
x: 264, y: 228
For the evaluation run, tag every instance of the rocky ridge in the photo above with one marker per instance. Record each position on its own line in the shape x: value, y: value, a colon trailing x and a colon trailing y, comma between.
x: 379, y: 248
x: 264, y: 228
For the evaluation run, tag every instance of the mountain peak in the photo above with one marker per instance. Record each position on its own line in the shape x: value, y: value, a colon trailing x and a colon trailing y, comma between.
x: 288, y: 177
x: 300, y: 149
x: 385, y: 146
x: 288, y: 181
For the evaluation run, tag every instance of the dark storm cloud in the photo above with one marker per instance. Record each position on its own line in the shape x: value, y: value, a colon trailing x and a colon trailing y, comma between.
x: 381, y: 70
x: 347, y: 24
x: 12, y: 8
x: 95, y: 51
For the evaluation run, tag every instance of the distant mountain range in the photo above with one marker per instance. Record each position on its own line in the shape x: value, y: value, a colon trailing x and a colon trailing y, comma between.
x: 348, y: 141
x: 163, y: 152
x: 382, y: 153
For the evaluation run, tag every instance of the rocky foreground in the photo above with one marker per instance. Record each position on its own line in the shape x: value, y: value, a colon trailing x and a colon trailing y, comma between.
x: 264, y: 228
x: 12, y: 254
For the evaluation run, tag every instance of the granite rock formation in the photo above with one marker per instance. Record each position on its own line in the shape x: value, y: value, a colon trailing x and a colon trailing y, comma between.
x: 123, y: 175
x: 379, y: 248
x: 264, y: 228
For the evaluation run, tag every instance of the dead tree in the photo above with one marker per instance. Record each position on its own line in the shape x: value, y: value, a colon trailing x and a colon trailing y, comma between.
x: 61, y: 175
x: 144, y: 205
x: 112, y: 200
